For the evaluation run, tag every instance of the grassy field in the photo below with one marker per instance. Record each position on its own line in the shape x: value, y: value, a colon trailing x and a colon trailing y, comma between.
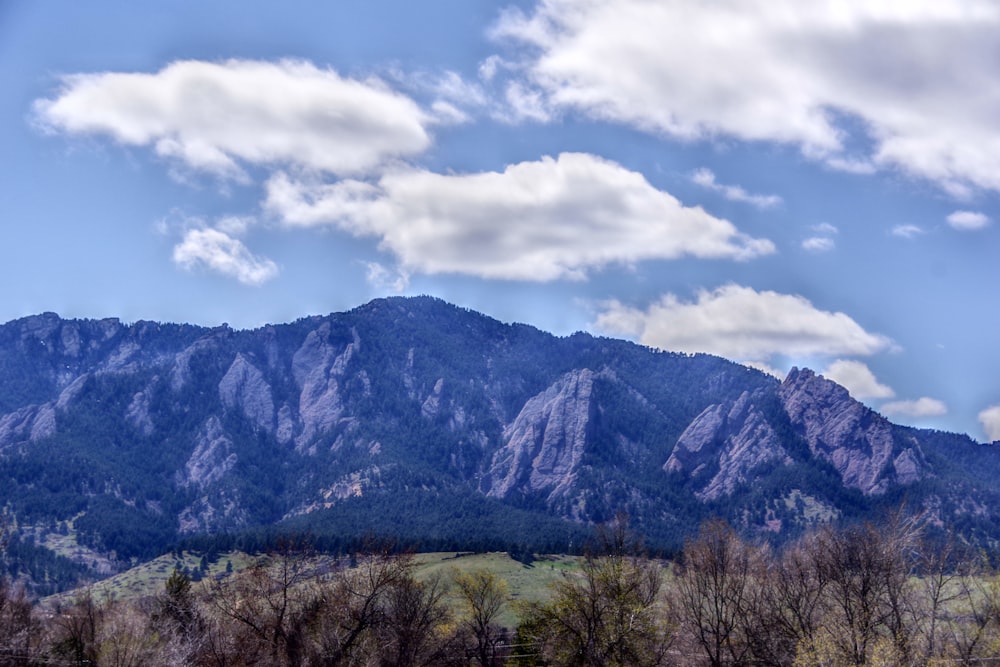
x: 524, y: 582
x: 149, y: 578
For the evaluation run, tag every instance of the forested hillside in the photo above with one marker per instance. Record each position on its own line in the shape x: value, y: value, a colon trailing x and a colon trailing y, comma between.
x: 436, y: 425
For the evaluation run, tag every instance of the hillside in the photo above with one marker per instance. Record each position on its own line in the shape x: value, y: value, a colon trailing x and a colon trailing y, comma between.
x: 438, y: 425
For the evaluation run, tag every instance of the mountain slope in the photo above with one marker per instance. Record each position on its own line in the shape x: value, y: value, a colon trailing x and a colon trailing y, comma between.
x: 136, y: 436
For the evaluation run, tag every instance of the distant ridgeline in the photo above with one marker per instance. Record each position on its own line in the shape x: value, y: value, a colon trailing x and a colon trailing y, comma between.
x: 412, y: 418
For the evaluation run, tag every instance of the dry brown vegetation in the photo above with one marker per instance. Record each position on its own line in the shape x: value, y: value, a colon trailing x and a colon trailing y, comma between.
x: 862, y: 595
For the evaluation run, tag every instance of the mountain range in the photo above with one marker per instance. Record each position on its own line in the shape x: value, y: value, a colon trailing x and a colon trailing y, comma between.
x: 436, y: 425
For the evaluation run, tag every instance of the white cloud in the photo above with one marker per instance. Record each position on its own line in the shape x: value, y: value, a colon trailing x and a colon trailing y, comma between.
x: 743, y: 324
x: 990, y: 419
x: 784, y: 71
x: 543, y: 220
x: 706, y: 179
x: 382, y: 277
x: 922, y: 407
x: 525, y: 104
x: 907, y: 231
x: 234, y: 225
x: 217, y: 251
x: 858, y: 379
x: 489, y: 67
x: 212, y: 117
x: 819, y: 244
x: 452, y: 87
x: 968, y: 220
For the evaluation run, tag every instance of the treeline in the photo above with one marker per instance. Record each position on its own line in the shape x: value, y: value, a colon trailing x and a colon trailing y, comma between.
x: 866, y: 594
x: 862, y: 594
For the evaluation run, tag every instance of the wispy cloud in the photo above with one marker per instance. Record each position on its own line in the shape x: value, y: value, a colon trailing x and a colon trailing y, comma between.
x: 554, y: 218
x: 819, y: 244
x: 772, y: 70
x: 706, y: 179
x: 824, y: 242
x: 743, y: 324
x: 907, y: 231
x: 382, y: 277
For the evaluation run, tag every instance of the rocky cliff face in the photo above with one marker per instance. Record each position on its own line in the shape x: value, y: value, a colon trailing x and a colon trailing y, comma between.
x: 243, y: 387
x: 729, y: 441
x: 545, y: 443
x: 858, y: 442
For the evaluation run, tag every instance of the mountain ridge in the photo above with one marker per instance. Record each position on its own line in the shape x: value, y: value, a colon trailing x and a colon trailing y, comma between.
x: 143, y: 434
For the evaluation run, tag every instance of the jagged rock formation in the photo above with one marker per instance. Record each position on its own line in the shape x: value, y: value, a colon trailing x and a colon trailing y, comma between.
x: 243, y: 387
x: 733, y: 438
x: 860, y: 443
x: 544, y: 446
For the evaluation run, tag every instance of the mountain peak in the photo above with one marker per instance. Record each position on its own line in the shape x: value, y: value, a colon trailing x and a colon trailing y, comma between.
x: 860, y: 443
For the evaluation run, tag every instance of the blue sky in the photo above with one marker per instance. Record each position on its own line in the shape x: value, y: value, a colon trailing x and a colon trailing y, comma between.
x: 774, y: 181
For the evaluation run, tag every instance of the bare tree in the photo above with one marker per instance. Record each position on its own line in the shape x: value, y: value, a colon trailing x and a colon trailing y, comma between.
x: 348, y: 607
x: 718, y: 593
x: 609, y: 615
x: 968, y: 623
x: 265, y: 603
x: 20, y: 629
x: 483, y: 595
x: 868, y: 589
x: 793, y: 600
x: 412, y: 631
x: 122, y: 639
x: 75, y: 630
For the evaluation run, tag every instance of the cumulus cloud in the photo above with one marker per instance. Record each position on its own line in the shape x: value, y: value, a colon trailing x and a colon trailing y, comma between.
x: 784, y: 71
x: 921, y: 407
x: 741, y: 323
x: 907, y: 231
x: 706, y: 179
x: 218, y: 117
x: 968, y: 220
x: 858, y: 379
x: 216, y: 251
x: 990, y: 419
x: 544, y: 220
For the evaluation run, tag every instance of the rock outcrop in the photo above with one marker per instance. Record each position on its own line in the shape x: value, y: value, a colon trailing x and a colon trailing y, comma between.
x: 543, y: 446
x: 213, y: 456
x: 243, y: 387
x: 27, y: 424
x: 318, y: 368
x: 859, y: 442
x: 733, y: 438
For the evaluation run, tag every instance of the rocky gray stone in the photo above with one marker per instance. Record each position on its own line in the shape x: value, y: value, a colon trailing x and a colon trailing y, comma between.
x: 737, y: 436
x: 544, y: 444
x: 244, y: 388
x: 856, y: 440
x: 318, y: 368
x: 137, y: 413
x: 213, y: 455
